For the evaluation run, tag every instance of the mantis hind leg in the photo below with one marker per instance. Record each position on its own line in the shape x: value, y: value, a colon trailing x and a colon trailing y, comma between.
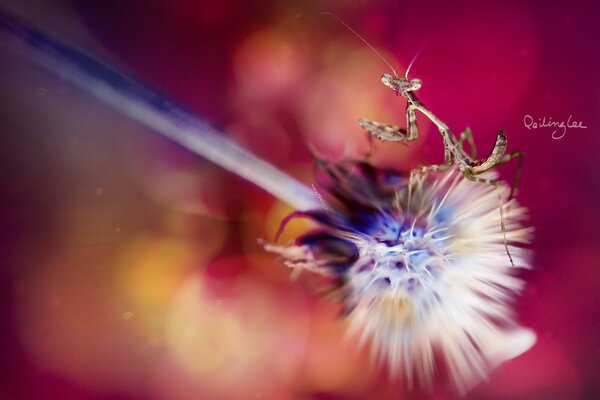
x: 435, y: 167
x: 467, y: 135
x: 506, y: 158
x: 495, y: 184
x: 449, y: 161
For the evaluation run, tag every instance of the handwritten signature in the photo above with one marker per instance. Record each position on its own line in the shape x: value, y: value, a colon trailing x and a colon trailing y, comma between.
x: 560, y: 127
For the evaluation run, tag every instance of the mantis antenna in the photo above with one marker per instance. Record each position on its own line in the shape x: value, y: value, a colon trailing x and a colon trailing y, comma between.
x: 361, y: 38
x: 415, y: 58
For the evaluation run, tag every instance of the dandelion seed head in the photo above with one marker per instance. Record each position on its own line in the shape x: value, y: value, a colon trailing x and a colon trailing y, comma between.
x: 424, y: 271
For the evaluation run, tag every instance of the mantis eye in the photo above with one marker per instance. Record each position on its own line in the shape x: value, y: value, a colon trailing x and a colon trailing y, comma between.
x: 387, y: 79
x: 415, y: 84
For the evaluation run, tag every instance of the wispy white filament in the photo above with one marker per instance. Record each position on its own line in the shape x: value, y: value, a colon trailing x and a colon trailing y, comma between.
x: 156, y: 112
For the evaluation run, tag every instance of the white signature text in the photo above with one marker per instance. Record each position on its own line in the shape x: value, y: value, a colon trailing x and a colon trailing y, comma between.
x: 560, y: 127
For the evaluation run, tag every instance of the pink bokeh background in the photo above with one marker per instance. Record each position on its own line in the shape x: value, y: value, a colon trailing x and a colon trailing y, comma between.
x: 130, y: 266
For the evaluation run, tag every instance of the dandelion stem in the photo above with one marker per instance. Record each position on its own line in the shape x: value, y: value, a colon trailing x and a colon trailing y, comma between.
x: 155, y: 111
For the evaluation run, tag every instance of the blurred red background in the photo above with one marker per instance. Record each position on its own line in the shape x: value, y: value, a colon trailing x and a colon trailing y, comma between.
x: 130, y: 267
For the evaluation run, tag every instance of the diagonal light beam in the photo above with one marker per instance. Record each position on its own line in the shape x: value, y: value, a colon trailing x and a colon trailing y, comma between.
x: 154, y: 111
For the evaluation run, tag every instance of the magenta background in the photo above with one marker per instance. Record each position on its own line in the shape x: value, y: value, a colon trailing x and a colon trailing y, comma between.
x: 484, y: 65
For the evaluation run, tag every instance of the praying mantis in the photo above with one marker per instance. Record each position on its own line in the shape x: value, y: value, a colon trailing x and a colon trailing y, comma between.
x: 454, y: 152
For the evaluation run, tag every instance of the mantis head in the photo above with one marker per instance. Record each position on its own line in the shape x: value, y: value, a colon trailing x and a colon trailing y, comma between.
x: 401, y: 85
